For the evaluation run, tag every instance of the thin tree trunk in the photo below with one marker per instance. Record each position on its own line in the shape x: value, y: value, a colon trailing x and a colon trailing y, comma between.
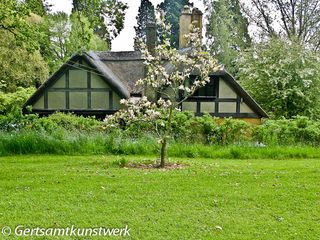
x: 163, y: 154
x: 164, y: 141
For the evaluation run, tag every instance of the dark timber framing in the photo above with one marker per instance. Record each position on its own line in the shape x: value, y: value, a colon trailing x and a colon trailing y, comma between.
x: 79, y: 90
x: 216, y: 105
x: 238, y: 104
x: 89, y: 89
x: 95, y: 64
x: 111, y: 100
x: 46, y: 99
x: 242, y: 96
x: 67, y: 92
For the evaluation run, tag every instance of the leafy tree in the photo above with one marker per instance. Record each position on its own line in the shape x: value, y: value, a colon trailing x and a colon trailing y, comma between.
x: 145, y: 16
x: 227, y: 31
x: 19, y: 67
x: 170, y: 82
x: 82, y: 37
x: 69, y: 36
x: 106, y: 17
x: 171, y: 11
x: 12, y: 102
x: 59, y: 33
x: 283, y: 77
x: 14, y: 19
x: 290, y: 19
x: 38, y: 7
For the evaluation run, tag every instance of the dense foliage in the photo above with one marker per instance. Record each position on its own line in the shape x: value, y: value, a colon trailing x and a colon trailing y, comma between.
x: 146, y: 16
x: 14, y: 20
x: 193, y: 137
x: 10, y: 103
x: 106, y: 17
x: 39, y: 7
x: 296, y: 131
x: 283, y: 77
x: 19, y: 66
x: 227, y: 32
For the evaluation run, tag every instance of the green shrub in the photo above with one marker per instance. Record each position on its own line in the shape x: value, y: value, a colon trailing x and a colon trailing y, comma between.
x: 289, y: 132
x: 192, y: 136
x: 234, y: 131
x: 12, y: 102
x: 53, y: 123
x: 72, y: 122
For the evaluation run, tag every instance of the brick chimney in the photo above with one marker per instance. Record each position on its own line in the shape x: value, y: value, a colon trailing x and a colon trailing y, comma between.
x: 151, y: 32
x: 187, y: 18
x: 185, y: 21
x: 197, y: 19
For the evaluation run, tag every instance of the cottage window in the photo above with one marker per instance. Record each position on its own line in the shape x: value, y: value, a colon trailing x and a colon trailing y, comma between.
x: 208, y: 91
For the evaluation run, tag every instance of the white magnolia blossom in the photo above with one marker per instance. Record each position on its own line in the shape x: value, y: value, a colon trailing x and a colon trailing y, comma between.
x: 138, y: 109
x: 168, y: 72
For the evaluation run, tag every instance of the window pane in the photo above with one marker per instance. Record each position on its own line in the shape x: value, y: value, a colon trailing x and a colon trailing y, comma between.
x: 207, y: 91
x: 78, y: 100
x: 56, y: 100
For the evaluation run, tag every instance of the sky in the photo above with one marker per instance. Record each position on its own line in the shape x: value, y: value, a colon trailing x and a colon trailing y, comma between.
x: 124, y: 42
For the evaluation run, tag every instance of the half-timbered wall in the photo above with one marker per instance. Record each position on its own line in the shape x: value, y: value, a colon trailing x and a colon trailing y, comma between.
x: 78, y: 88
x: 221, y: 101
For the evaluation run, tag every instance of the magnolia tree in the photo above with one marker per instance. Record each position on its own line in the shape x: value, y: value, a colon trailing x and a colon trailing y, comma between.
x: 168, y: 74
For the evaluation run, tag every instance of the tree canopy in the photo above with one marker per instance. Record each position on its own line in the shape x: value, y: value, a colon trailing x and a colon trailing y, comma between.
x: 290, y: 19
x: 19, y: 67
x: 146, y: 15
x: 283, y: 77
x: 71, y: 34
x: 14, y: 19
x: 106, y: 17
x: 39, y: 7
x: 227, y: 31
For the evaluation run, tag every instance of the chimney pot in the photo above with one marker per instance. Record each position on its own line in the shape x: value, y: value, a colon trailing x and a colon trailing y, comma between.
x: 186, y: 10
x: 151, y: 32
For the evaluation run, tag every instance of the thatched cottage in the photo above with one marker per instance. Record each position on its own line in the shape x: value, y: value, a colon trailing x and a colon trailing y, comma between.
x: 93, y: 83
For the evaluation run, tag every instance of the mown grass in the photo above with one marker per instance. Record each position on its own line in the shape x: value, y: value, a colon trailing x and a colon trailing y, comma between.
x: 248, y: 199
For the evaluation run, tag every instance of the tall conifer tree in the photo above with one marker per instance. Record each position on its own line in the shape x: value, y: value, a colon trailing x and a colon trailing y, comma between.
x: 146, y: 15
x: 227, y: 31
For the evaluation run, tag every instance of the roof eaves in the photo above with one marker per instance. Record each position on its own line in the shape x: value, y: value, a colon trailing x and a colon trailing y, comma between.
x: 48, y: 82
x: 107, y: 73
x: 246, y: 96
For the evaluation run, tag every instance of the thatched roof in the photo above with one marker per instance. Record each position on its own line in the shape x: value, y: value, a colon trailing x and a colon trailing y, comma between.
x: 121, y: 70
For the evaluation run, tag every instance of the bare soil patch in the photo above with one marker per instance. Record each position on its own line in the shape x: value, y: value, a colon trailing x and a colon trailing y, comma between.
x: 146, y: 166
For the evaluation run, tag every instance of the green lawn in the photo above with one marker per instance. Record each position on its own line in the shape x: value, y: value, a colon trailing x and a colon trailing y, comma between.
x: 248, y: 199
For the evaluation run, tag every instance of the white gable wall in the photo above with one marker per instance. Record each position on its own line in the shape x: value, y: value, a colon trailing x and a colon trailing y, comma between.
x: 78, y: 89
